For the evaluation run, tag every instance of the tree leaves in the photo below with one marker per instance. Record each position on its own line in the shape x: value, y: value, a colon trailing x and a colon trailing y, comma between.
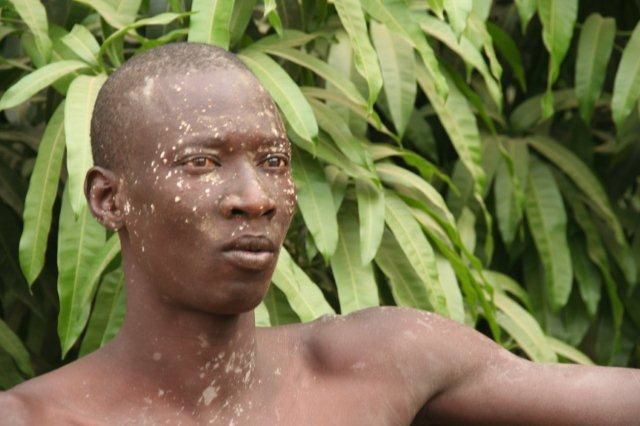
x: 78, y: 109
x: 285, y: 93
x: 41, y: 196
x: 354, y: 279
x: 371, y: 214
x: 547, y: 223
x: 316, y: 202
x: 594, y: 50
x: 79, y: 239
x: 303, y: 295
x: 365, y: 58
x: 34, y: 14
x: 626, y: 87
x: 211, y: 21
x: 38, y: 80
x: 558, y: 19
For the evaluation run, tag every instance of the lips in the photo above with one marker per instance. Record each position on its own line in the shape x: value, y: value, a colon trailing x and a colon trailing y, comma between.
x: 250, y: 252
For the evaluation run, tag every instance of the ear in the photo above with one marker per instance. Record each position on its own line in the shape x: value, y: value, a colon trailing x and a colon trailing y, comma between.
x: 101, y: 188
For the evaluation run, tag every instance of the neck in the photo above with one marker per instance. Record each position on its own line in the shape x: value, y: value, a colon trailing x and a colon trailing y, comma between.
x: 184, y: 357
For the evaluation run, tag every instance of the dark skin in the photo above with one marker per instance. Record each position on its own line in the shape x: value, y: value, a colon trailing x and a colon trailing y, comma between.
x: 202, y: 207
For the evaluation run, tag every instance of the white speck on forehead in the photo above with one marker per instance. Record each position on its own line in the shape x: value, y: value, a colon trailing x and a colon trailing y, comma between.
x: 177, y: 199
x: 157, y: 356
x: 209, y: 394
x: 148, y: 86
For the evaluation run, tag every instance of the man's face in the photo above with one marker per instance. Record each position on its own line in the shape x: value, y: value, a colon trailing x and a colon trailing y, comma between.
x: 207, y: 190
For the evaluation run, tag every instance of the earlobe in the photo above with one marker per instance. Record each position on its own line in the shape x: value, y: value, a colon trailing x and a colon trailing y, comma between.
x: 101, y: 188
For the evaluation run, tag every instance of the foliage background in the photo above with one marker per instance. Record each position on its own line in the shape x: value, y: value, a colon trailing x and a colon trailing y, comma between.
x: 479, y: 159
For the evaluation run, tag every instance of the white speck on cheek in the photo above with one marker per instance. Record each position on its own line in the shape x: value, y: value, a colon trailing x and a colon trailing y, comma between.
x: 177, y: 199
x: 157, y: 356
x: 209, y: 394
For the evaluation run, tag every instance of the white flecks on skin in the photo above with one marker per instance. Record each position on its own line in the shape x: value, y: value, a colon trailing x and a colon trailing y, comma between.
x: 160, y: 392
x: 177, y: 199
x: 147, y: 90
x: 204, y: 343
x: 157, y: 356
x: 358, y: 366
x: 209, y: 394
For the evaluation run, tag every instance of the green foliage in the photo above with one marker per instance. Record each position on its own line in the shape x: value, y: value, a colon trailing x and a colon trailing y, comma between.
x: 474, y: 158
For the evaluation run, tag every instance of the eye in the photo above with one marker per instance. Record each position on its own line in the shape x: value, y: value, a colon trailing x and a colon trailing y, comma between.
x: 199, y: 164
x: 275, y: 162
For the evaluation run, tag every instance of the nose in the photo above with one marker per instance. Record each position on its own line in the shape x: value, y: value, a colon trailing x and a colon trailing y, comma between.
x: 247, y: 198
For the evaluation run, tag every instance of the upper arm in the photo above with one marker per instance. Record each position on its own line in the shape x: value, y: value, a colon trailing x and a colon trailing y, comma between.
x: 14, y: 410
x: 505, y: 389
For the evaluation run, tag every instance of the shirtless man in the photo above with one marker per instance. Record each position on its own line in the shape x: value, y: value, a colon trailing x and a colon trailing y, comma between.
x: 192, y: 171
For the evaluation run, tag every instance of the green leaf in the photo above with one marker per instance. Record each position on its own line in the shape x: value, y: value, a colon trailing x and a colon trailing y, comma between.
x: 262, y: 315
x: 398, y: 73
x: 568, y: 352
x: 458, y: 13
x: 583, y: 178
x: 417, y: 249
x: 83, y: 44
x: 529, y: 113
x: 526, y: 10
x: 506, y: 284
x: 78, y: 109
x: 240, y: 18
x: 406, y: 286
x: 315, y: 201
x: 78, y: 242
x: 108, y: 312
x: 11, y: 343
x: 34, y: 14
x: 558, y: 20
x: 626, y: 87
x: 211, y: 22
x: 161, y: 19
x: 524, y: 329
x: 322, y: 69
x: 271, y: 13
x: 461, y: 126
x: 371, y: 214
x: 365, y: 58
x: 280, y: 313
x: 128, y: 9
x: 355, y: 282
x: 108, y: 11
x: 42, y: 192
x: 9, y: 374
x: 548, y: 225
x: 396, y: 15
x: 594, y: 50
x: 303, y: 295
x: 511, y: 178
x: 587, y: 275
x: 32, y: 83
x: 451, y: 288
x: 411, y: 185
x: 437, y: 6
x: 333, y: 123
x: 509, y: 51
x: 285, y: 93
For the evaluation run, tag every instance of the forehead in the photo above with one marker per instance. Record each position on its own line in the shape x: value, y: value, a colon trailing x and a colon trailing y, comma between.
x: 222, y: 105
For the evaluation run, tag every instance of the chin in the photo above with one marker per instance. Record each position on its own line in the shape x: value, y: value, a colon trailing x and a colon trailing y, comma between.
x: 237, y: 298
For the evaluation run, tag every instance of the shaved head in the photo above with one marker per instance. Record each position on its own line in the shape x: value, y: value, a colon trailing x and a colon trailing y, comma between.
x: 118, y: 109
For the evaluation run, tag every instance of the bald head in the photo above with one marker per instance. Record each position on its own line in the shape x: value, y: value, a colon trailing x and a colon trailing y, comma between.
x: 138, y: 89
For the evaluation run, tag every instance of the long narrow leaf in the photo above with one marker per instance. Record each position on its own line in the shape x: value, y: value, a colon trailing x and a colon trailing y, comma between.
x: 547, y: 223
x: 285, y: 93
x: 626, y: 87
x: 303, y: 295
x: 371, y: 213
x: 211, y: 22
x: 34, y: 14
x: 12, y: 344
x: 41, y: 196
x: 316, y: 202
x: 78, y: 242
x: 594, y: 50
x: 78, y: 109
x: 356, y: 284
x: 36, y: 81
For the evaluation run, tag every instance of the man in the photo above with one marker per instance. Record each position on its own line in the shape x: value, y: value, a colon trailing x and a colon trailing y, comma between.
x: 192, y: 171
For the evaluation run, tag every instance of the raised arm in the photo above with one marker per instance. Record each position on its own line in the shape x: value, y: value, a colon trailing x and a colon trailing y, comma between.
x: 485, y: 384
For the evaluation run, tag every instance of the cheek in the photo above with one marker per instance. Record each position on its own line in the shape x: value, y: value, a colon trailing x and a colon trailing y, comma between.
x: 287, y: 195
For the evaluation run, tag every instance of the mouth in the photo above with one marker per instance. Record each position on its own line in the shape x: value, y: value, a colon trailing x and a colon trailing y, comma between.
x: 250, y: 252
